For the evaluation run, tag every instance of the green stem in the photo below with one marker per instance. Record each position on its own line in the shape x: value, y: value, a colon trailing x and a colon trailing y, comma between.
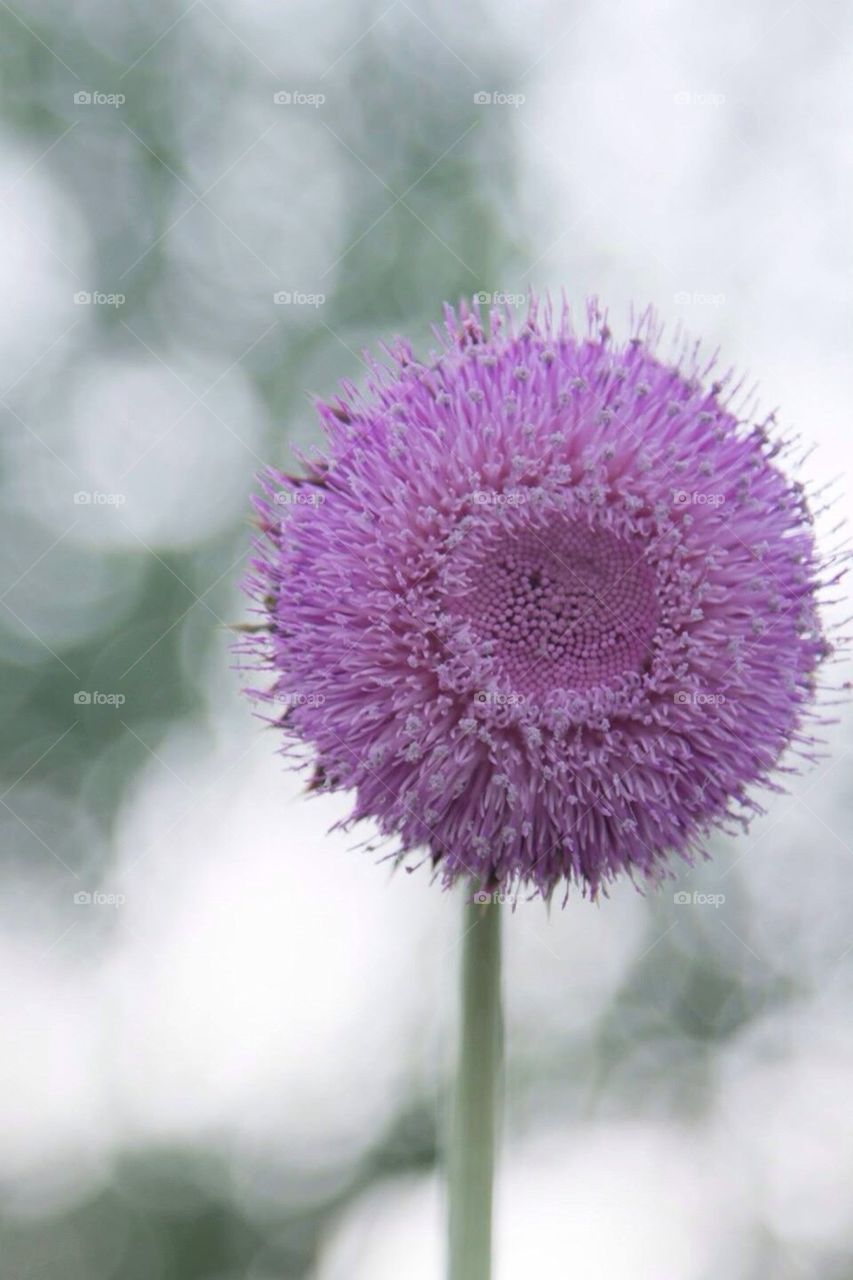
x: 473, y: 1122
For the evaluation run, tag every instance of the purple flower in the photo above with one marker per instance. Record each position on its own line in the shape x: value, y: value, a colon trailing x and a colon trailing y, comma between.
x: 547, y: 605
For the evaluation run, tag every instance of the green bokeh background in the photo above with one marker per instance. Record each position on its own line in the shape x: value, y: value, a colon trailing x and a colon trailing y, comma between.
x: 198, y: 198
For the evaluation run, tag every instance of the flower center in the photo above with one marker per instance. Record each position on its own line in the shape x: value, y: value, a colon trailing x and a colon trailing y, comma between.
x: 562, y: 607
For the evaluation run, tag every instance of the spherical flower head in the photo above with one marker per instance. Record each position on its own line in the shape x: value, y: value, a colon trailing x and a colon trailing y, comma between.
x: 546, y: 605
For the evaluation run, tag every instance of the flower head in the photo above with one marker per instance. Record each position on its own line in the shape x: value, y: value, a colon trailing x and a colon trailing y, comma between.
x: 547, y: 604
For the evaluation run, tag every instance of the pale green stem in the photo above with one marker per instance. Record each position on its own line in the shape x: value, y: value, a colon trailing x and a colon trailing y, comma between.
x: 473, y: 1127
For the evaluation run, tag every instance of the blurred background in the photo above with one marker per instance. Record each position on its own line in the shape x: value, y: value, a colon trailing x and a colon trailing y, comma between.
x: 227, y: 1034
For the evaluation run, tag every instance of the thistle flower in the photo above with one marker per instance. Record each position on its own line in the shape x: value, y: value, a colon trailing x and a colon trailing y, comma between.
x: 547, y: 605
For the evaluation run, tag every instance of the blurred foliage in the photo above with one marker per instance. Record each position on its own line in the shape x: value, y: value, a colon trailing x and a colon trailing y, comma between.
x: 198, y: 199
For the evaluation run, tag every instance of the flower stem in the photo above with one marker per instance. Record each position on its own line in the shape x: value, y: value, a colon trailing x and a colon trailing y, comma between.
x: 473, y: 1122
